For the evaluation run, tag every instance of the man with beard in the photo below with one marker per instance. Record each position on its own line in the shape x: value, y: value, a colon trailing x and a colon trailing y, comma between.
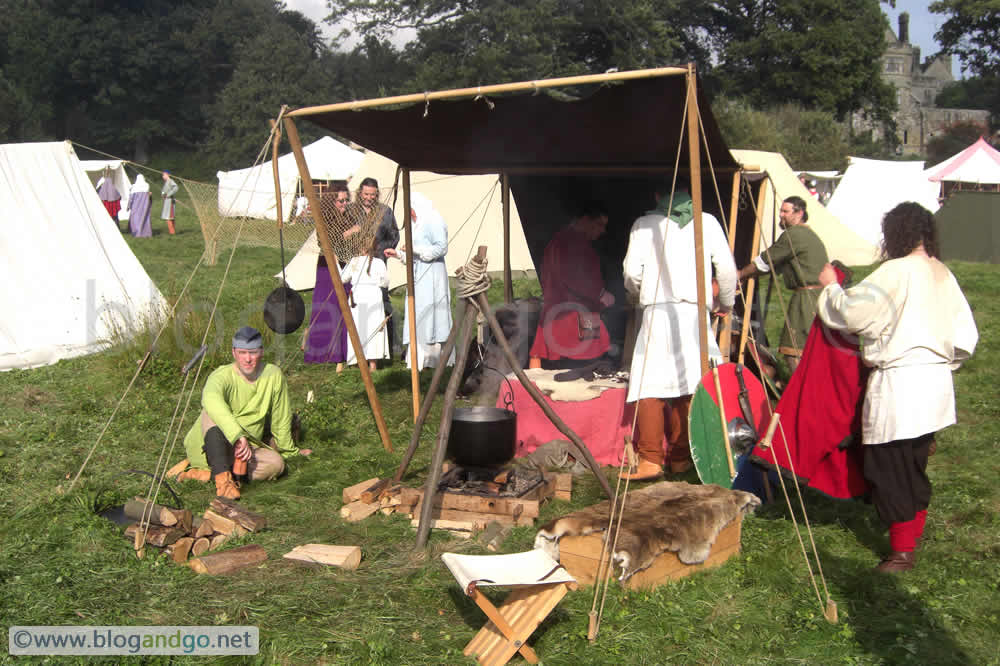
x: 242, y: 403
x: 798, y: 256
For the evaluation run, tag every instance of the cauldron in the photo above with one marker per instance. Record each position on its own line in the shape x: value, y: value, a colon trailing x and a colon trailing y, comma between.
x: 482, y: 436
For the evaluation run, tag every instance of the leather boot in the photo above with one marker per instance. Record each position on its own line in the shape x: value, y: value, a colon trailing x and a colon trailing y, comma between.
x: 225, y: 486
x: 646, y: 471
x: 192, y: 474
x: 897, y: 561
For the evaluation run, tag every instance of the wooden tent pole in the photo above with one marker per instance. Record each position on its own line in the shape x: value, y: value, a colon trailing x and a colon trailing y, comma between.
x: 338, y: 286
x: 752, y: 282
x: 726, y: 337
x: 508, y: 286
x: 490, y: 90
x: 411, y: 303
x: 274, y: 167
x: 694, y: 155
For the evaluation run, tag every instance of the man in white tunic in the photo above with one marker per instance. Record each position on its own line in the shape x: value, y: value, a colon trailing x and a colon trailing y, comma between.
x: 914, y: 327
x: 659, y: 268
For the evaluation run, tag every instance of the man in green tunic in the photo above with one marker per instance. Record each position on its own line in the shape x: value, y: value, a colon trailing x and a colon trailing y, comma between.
x: 240, y: 403
x: 797, y: 256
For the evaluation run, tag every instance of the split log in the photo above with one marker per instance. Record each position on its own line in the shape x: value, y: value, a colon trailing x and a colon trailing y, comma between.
x: 374, y: 493
x: 217, y: 540
x: 353, y: 493
x: 224, y: 525
x: 254, y: 522
x: 358, y: 510
x: 493, y: 536
x: 228, y: 561
x: 345, y: 557
x: 158, y: 515
x: 180, y: 549
x: 202, y: 527
x: 157, y: 535
x: 201, y: 545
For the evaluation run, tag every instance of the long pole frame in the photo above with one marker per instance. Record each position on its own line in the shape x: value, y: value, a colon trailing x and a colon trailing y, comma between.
x: 411, y: 303
x: 338, y: 286
x: 694, y: 157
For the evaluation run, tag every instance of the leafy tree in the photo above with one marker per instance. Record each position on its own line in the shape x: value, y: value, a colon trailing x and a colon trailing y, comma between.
x: 953, y: 139
x: 972, y: 32
x: 978, y: 92
x: 821, y: 54
x: 478, y: 42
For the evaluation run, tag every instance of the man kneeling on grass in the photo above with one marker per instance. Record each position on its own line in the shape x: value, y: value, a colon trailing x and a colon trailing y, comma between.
x: 240, y: 401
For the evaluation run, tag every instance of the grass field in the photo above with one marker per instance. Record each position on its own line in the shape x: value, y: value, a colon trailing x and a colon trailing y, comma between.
x: 60, y: 564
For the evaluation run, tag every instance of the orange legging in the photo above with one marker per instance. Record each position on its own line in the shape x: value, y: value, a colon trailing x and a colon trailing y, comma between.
x: 654, y: 414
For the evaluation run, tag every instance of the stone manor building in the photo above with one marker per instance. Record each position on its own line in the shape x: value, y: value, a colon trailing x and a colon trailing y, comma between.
x: 917, y: 85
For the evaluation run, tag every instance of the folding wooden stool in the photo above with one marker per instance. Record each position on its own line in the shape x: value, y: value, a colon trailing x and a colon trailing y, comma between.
x: 538, y: 583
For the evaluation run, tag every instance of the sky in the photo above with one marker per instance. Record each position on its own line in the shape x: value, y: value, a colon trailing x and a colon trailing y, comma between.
x: 923, y: 24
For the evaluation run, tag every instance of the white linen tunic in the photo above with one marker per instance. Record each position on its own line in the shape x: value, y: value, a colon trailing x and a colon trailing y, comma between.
x: 367, y: 311
x: 660, y: 267
x: 431, y: 293
x: 914, y: 327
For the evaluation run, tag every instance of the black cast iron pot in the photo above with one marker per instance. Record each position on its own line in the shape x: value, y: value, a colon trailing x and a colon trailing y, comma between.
x: 482, y: 436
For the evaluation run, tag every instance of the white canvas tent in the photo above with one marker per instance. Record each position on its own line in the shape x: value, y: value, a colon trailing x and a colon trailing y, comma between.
x: 95, y: 170
x: 469, y: 204
x: 250, y: 192
x: 871, y: 188
x: 71, y: 283
x: 841, y: 243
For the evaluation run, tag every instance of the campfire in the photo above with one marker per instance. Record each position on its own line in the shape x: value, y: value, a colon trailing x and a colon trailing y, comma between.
x: 490, y: 482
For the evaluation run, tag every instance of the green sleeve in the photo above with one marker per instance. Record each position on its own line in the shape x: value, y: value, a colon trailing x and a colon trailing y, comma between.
x: 281, y: 419
x: 779, y: 252
x: 213, y: 399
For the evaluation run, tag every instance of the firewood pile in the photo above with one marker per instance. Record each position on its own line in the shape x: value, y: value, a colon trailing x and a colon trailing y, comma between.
x: 460, y: 513
x: 185, y: 536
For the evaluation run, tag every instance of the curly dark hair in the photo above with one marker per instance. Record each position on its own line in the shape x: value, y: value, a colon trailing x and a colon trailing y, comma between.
x: 905, y: 227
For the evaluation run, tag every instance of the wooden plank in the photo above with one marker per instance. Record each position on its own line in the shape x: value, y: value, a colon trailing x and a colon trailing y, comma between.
x: 478, y: 517
x: 411, y: 497
x: 345, y: 557
x: 357, y: 510
x: 228, y: 561
x: 156, y: 535
x: 253, y: 522
x: 444, y: 524
x: 353, y: 493
x: 564, y: 486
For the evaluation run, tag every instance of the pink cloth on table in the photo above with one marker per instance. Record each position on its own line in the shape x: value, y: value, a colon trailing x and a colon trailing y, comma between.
x: 602, y: 423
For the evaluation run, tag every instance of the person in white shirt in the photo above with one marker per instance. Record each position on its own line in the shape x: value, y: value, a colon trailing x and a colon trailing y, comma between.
x: 915, y: 328
x: 659, y: 268
x: 367, y: 276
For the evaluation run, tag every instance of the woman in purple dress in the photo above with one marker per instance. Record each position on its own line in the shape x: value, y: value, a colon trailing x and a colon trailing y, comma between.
x: 139, y: 208
x: 326, y: 337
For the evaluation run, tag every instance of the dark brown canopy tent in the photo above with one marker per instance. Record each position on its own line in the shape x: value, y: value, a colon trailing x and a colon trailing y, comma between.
x: 613, y: 142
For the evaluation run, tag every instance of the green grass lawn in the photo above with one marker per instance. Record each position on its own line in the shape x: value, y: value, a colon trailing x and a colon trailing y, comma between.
x: 60, y: 564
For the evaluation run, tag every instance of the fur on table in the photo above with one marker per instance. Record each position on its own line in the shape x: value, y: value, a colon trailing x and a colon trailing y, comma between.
x: 674, y: 516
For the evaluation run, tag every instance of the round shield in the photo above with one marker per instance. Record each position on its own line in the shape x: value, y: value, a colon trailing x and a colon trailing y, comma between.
x: 284, y: 310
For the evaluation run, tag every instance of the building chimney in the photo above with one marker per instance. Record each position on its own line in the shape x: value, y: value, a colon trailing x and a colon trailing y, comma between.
x: 904, y: 28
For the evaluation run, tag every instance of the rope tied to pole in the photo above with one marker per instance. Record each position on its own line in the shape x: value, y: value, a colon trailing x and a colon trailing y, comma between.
x: 473, y: 278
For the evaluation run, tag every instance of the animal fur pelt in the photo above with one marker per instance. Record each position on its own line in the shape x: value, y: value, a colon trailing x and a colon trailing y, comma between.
x: 678, y: 517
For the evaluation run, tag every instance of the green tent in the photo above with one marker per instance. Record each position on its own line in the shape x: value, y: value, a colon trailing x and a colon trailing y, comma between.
x: 969, y: 227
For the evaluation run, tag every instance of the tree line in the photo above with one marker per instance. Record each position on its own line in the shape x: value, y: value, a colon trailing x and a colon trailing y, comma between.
x: 135, y: 77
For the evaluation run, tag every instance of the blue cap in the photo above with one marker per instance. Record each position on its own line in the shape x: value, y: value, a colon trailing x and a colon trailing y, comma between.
x: 248, y: 337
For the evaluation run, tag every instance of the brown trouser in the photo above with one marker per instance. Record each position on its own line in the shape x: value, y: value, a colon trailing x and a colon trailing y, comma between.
x: 655, y: 414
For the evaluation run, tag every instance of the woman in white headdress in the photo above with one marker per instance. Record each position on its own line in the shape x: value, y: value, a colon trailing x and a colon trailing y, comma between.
x: 432, y: 295
x: 139, y: 208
